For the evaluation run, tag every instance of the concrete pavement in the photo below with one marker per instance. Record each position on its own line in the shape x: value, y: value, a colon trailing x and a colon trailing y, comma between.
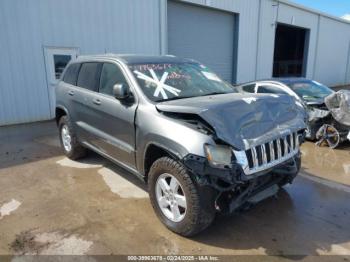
x: 52, y: 205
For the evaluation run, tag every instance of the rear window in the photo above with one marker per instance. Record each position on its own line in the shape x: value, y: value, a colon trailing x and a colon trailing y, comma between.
x: 89, y: 76
x: 71, y: 75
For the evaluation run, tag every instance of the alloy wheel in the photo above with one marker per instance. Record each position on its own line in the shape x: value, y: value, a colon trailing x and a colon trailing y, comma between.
x: 66, y: 138
x: 171, y: 198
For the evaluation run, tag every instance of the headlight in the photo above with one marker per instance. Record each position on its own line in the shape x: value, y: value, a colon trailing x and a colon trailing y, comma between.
x: 315, y: 113
x: 219, y: 156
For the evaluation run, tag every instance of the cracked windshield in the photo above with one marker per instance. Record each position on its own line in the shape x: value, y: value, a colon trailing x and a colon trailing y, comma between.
x: 164, y: 82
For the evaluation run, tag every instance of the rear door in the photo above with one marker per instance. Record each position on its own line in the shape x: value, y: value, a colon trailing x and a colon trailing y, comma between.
x: 82, y: 101
x: 113, y: 119
x: 69, y: 89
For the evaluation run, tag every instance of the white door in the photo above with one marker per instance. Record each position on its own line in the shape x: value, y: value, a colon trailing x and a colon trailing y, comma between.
x: 56, y: 60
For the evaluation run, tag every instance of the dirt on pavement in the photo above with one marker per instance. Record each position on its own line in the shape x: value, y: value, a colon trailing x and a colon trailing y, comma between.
x: 52, y: 205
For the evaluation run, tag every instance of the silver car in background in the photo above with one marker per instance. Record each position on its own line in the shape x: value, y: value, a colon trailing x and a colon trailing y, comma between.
x: 309, y: 93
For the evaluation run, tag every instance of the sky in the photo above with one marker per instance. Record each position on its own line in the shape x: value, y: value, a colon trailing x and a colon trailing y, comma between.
x: 340, y: 8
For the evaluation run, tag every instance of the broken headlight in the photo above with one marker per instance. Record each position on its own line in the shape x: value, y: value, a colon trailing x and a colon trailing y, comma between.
x: 315, y: 113
x: 218, y: 155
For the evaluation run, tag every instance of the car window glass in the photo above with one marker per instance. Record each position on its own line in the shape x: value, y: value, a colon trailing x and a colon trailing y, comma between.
x: 178, y: 80
x: 110, y: 75
x: 310, y: 90
x: 71, y: 75
x: 249, y: 88
x: 89, y: 76
x: 269, y: 89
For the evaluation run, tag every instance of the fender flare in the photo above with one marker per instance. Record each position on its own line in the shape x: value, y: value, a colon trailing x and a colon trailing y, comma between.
x: 173, y: 148
x: 61, y: 108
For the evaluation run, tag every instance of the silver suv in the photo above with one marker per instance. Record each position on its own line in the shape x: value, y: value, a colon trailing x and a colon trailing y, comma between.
x: 201, y: 147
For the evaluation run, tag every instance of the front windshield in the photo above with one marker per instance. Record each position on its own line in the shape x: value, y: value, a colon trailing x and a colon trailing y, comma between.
x: 310, y: 90
x: 170, y: 81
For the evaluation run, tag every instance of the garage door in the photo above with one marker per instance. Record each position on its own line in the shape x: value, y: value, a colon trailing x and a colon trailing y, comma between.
x: 203, y: 34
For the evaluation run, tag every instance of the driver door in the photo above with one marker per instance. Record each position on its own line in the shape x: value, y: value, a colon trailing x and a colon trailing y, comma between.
x: 114, y: 119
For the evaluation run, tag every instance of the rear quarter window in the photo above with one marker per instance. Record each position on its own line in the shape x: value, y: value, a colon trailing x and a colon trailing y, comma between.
x: 268, y: 89
x: 249, y: 88
x: 89, y: 76
x: 71, y: 75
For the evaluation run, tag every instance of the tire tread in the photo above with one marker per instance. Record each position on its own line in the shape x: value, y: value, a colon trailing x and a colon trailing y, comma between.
x: 200, y: 216
x: 78, y: 151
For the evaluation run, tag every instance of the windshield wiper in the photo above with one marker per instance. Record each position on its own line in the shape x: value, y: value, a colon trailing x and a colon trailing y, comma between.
x: 174, y: 98
x: 216, y: 93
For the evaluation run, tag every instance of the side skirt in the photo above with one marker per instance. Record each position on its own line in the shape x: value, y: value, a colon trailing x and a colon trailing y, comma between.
x: 115, y: 161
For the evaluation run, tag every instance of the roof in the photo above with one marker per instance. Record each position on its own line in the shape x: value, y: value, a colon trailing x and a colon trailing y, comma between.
x: 291, y: 80
x: 138, y: 59
x: 284, y: 80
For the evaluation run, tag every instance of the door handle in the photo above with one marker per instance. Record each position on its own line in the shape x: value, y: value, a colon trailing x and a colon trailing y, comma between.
x: 71, y: 93
x: 97, y: 102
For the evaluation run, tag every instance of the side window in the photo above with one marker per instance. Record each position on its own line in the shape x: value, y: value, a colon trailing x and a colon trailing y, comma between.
x: 249, y: 88
x: 89, y: 76
x: 71, y: 75
x: 269, y: 89
x: 110, y: 75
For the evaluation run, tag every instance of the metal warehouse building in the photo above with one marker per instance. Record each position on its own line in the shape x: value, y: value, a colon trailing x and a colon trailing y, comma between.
x: 241, y: 40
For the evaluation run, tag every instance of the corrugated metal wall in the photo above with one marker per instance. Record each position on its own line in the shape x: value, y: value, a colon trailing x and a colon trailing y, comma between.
x: 332, y: 56
x: 188, y: 29
x: 139, y: 26
x: 301, y: 18
x: 248, y: 32
x: 328, y: 51
x: 93, y: 26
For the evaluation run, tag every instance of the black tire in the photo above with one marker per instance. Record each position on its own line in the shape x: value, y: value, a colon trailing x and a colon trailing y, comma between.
x: 77, y: 151
x: 200, y: 211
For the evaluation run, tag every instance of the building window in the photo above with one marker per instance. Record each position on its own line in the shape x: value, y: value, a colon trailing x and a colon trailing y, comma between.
x: 60, y: 63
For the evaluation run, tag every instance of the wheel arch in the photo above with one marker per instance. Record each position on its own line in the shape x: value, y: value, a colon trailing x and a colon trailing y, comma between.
x: 154, y: 151
x: 59, y: 112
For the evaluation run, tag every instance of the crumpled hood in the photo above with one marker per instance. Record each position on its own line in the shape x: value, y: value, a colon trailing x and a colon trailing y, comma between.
x: 243, y: 120
x: 339, y: 105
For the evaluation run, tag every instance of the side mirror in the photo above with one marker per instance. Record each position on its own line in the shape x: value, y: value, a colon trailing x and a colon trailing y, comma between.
x: 121, y: 91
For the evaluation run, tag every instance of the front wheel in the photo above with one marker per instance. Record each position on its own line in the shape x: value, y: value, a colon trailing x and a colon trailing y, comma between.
x: 329, y: 135
x: 177, y: 201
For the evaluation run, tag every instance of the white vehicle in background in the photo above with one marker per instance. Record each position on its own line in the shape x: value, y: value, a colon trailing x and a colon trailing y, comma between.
x: 326, y: 122
x: 309, y: 93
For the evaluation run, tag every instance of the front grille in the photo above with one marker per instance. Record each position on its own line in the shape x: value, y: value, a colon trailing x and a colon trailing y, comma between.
x: 267, y: 155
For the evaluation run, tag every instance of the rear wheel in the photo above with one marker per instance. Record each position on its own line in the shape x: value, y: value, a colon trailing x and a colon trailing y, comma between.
x: 69, y: 142
x: 176, y: 200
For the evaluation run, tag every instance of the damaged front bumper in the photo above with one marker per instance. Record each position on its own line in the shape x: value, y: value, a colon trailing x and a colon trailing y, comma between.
x: 234, y: 189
